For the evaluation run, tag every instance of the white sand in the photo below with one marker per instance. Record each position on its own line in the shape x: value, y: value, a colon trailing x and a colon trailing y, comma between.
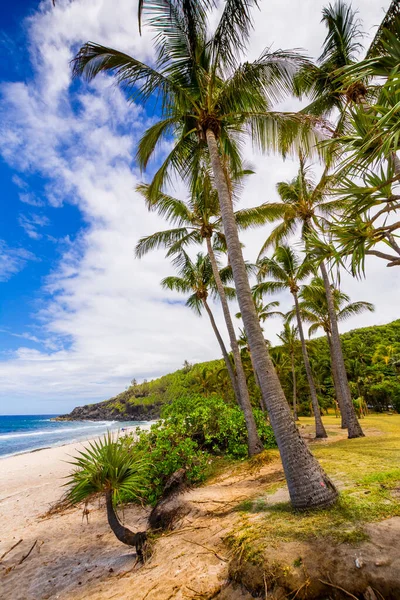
x: 31, y: 483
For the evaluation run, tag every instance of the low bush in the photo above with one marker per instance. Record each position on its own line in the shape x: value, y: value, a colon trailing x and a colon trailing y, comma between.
x: 193, y: 429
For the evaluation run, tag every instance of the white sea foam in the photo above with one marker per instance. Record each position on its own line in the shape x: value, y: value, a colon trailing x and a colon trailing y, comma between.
x: 55, y: 431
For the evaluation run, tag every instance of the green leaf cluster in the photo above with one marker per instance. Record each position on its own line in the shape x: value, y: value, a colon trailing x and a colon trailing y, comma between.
x: 192, y: 430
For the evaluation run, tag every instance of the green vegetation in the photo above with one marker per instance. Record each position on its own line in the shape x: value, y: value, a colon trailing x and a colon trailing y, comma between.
x: 372, y: 374
x: 211, y: 99
x: 370, y: 477
x: 192, y: 431
x: 107, y: 467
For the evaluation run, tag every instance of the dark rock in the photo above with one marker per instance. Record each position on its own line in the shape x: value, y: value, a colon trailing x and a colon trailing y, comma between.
x: 106, y: 411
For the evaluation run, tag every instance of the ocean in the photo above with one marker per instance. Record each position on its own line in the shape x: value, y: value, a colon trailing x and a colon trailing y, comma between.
x: 24, y: 433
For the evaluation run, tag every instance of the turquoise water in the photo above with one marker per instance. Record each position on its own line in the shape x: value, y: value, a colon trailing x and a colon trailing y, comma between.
x: 24, y: 433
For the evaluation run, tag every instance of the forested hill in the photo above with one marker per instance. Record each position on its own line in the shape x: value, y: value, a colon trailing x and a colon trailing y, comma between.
x: 372, y: 356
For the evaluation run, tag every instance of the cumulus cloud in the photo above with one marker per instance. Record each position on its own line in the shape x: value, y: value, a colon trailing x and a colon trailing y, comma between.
x: 103, y: 315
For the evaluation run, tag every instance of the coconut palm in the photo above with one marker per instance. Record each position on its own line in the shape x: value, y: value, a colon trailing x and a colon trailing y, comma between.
x: 208, y: 101
x: 196, y: 220
x: 305, y: 206
x: 196, y: 278
x: 314, y: 309
x: 289, y: 339
x: 109, y: 468
x: 264, y: 310
x: 341, y: 47
x: 286, y: 271
x: 367, y: 105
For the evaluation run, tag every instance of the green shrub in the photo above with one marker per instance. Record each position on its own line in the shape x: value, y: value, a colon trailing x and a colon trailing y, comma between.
x: 193, y: 429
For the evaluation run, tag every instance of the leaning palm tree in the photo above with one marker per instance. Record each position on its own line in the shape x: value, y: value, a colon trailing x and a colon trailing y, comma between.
x: 314, y: 309
x: 198, y: 220
x: 208, y: 102
x: 286, y: 272
x: 108, y: 467
x: 289, y: 339
x: 264, y: 312
x: 196, y: 278
x: 305, y: 206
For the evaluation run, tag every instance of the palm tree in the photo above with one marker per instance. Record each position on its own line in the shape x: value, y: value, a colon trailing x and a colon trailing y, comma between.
x: 339, y: 82
x: 321, y: 82
x: 289, y: 338
x: 314, y: 309
x: 196, y: 278
x: 108, y: 467
x: 384, y: 353
x: 304, y: 205
x: 264, y: 312
x: 287, y: 272
x: 208, y: 102
x: 197, y: 220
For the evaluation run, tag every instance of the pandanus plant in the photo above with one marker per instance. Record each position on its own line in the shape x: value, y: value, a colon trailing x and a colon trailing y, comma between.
x: 107, y: 467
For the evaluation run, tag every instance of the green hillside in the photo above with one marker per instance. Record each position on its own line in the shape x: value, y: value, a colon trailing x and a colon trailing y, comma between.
x: 372, y: 356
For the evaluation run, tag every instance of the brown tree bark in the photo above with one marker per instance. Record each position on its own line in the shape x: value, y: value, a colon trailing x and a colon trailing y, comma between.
x: 336, y: 381
x: 224, y: 351
x: 122, y: 533
x: 254, y: 443
x: 353, y: 426
x: 319, y: 426
x: 309, y: 486
x: 294, y: 388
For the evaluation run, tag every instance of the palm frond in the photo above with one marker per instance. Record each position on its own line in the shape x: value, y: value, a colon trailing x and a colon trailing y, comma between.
x: 232, y: 33
x: 140, y: 80
x: 160, y: 239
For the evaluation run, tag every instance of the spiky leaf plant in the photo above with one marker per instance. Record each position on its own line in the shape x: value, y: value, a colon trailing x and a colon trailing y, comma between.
x: 108, y: 467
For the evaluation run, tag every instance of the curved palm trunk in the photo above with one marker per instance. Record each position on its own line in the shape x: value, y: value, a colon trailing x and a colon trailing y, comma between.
x: 319, y: 426
x: 294, y: 388
x: 228, y: 363
x: 254, y: 443
x: 309, y: 486
x: 336, y: 381
x: 123, y: 534
x: 353, y: 426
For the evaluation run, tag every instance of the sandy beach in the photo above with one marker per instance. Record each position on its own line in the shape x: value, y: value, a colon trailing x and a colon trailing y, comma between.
x: 31, y: 483
x: 73, y: 556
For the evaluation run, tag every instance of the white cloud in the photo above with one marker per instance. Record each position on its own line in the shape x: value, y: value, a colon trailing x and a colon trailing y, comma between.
x: 31, y: 223
x: 107, y: 319
x: 12, y: 260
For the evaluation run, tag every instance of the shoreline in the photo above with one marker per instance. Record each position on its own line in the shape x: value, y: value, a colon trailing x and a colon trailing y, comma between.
x: 146, y: 426
x: 33, y: 481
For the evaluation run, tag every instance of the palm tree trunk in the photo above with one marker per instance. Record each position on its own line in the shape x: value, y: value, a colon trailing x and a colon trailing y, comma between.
x: 319, y: 426
x: 294, y: 388
x: 123, y: 534
x: 309, y: 486
x: 228, y: 363
x: 336, y: 381
x: 353, y: 426
x: 254, y: 443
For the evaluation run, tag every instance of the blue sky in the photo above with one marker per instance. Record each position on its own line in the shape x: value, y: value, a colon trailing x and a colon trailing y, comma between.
x: 79, y: 315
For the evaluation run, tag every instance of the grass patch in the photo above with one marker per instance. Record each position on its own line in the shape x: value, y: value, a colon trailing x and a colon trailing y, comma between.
x: 364, y: 469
